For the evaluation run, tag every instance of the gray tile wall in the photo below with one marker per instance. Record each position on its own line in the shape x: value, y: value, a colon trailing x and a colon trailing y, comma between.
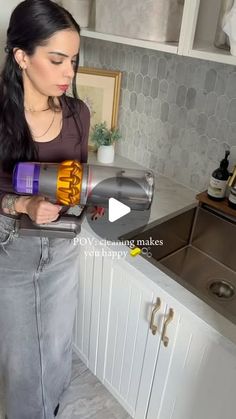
x: 177, y: 114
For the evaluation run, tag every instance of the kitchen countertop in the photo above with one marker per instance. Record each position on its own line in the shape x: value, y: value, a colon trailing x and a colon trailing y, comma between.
x: 169, y: 198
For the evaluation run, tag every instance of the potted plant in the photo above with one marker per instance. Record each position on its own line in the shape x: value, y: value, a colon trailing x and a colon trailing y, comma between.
x: 104, y: 138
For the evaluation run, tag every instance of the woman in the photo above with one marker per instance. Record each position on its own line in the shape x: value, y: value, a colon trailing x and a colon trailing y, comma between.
x: 38, y: 276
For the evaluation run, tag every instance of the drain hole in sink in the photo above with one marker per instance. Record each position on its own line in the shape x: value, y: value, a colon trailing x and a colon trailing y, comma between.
x: 221, y: 289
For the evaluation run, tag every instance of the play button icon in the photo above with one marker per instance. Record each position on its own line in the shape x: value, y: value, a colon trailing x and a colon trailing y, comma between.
x: 116, y: 209
x: 120, y: 215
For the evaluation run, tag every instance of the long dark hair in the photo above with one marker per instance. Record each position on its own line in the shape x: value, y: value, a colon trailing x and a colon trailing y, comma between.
x: 32, y: 23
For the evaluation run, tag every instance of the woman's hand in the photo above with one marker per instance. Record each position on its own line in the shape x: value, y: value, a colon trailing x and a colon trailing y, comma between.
x: 38, y: 209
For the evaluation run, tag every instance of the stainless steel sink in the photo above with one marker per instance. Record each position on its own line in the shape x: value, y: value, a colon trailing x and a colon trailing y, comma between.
x: 198, y: 251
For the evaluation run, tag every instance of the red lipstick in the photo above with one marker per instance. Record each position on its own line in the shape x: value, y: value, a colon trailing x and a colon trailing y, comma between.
x: 63, y: 87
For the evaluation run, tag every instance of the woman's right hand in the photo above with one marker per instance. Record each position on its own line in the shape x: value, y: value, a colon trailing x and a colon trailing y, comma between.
x: 38, y: 209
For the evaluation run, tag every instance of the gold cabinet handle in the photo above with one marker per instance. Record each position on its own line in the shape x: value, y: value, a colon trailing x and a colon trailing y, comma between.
x: 170, y: 317
x: 157, y: 307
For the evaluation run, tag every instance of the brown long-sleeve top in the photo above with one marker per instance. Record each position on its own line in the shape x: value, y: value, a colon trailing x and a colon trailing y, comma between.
x: 68, y: 145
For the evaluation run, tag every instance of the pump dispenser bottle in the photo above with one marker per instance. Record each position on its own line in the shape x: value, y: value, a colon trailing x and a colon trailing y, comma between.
x: 218, y: 181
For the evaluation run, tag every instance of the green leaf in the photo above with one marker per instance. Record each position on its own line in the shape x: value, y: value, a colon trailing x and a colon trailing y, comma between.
x: 101, y: 135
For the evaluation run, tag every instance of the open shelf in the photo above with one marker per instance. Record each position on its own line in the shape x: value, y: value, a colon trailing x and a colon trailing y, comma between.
x: 202, y: 24
x: 197, y: 34
x: 171, y: 47
x: 206, y: 51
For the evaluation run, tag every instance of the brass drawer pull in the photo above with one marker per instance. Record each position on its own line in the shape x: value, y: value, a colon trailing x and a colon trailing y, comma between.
x: 170, y: 317
x: 157, y: 307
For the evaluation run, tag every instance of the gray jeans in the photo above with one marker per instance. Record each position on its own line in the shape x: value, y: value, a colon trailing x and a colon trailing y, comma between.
x: 38, y: 294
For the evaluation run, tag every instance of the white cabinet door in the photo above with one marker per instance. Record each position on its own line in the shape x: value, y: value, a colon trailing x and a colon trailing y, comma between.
x: 156, y: 359
x: 86, y: 322
x: 126, y: 307
x: 195, y: 374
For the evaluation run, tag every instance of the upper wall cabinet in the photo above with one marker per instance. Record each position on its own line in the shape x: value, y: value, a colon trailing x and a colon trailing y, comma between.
x: 196, y: 38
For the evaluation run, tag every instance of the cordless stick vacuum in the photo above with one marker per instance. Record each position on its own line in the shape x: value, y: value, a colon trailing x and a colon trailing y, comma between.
x: 74, y: 184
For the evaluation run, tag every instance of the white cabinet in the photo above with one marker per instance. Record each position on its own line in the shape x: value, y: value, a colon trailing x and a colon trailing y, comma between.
x: 83, y: 312
x: 87, y: 313
x: 197, y: 34
x: 123, y: 333
x: 158, y: 353
x: 155, y: 356
x: 193, y: 376
x: 202, y: 17
x: 112, y: 322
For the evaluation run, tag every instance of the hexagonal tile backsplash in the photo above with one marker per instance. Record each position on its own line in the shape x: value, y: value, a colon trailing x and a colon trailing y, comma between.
x: 177, y: 114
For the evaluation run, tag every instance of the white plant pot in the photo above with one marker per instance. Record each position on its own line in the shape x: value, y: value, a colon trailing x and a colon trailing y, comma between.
x: 106, y: 153
x: 80, y: 10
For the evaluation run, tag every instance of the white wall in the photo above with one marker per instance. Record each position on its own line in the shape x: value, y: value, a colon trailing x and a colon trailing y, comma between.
x: 6, y: 8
